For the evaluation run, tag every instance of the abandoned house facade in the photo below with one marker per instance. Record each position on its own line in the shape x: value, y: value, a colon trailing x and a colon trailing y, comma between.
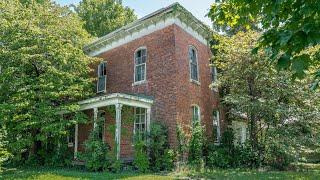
x: 159, y: 67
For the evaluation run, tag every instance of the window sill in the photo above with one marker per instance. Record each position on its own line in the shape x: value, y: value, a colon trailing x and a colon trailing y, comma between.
x: 139, y: 83
x: 195, y: 82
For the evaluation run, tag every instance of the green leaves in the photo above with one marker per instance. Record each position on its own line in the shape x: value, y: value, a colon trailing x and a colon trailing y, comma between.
x: 104, y: 16
x: 290, y: 27
x: 44, y: 71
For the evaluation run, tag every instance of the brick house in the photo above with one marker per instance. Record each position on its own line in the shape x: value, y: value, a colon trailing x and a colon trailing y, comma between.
x: 158, y: 67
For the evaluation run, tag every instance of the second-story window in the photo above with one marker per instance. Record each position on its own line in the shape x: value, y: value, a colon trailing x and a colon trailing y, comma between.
x: 102, y: 77
x: 102, y: 69
x: 193, y: 61
x: 140, y: 65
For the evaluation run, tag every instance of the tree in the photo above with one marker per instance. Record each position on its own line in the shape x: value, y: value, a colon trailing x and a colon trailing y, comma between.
x: 104, y: 16
x: 291, y: 30
x: 282, y: 114
x: 43, y: 72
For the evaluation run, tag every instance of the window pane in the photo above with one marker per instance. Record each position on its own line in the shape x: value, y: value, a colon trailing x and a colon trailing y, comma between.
x: 143, y: 59
x: 143, y: 52
x: 142, y: 72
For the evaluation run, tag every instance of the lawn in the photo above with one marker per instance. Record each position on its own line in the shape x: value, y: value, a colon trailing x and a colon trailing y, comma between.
x: 66, y: 174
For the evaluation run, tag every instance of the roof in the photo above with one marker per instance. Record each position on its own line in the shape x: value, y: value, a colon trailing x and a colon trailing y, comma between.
x: 175, y: 11
x: 115, y: 98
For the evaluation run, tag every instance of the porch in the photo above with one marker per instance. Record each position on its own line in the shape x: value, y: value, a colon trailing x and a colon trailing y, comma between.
x: 118, y: 101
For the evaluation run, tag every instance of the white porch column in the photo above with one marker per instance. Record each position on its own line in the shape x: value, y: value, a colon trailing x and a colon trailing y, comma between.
x: 76, y: 141
x: 118, y: 129
x: 148, y: 119
x: 95, y: 117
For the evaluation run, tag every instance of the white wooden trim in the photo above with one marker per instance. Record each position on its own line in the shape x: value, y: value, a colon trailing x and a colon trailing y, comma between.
x: 148, y: 30
x: 113, y: 99
x: 118, y: 129
x: 76, y: 129
x: 95, y: 117
x: 135, y: 66
x: 197, y: 61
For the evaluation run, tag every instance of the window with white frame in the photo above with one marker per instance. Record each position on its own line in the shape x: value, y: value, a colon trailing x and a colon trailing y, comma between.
x: 102, y: 77
x: 195, y: 113
x: 102, y: 69
x: 193, y: 61
x: 140, y: 119
x: 216, y: 125
x: 140, y: 59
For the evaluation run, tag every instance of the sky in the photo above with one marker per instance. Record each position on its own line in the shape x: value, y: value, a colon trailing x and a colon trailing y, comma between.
x: 199, y: 8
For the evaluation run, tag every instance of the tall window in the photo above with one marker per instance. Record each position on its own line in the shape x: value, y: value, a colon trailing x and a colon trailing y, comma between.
x: 102, y: 77
x: 193, y: 60
x: 102, y: 69
x: 195, y: 114
x: 216, y: 125
x: 140, y: 65
x: 101, y: 124
x: 140, y: 121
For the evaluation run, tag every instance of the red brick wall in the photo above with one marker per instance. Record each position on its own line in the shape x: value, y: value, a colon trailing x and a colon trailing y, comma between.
x: 190, y: 93
x: 168, y: 78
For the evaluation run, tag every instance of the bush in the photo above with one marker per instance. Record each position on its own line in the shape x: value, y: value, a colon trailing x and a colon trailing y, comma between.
x: 196, y: 146
x: 278, y: 157
x: 161, y: 157
x: 141, y: 161
x: 182, y: 149
x: 96, y: 153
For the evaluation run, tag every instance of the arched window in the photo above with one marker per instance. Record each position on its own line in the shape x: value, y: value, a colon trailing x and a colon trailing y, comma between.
x: 193, y: 61
x: 195, y: 113
x: 140, y: 59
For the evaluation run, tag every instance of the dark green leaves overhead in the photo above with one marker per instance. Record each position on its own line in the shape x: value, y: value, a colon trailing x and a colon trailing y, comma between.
x: 290, y: 27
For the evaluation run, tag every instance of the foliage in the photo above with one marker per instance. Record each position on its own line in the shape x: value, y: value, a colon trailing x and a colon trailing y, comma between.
x: 290, y: 29
x: 104, y: 16
x: 43, y: 72
x: 141, y: 161
x: 4, y: 154
x: 279, y: 111
x: 96, y: 153
x: 161, y: 157
x: 182, y: 148
x: 196, y: 145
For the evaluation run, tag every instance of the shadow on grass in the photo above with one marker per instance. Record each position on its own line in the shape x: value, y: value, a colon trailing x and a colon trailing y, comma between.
x: 254, y: 174
x: 66, y: 174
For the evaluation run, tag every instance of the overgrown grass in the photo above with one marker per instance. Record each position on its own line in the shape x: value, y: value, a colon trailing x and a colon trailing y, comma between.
x: 66, y: 174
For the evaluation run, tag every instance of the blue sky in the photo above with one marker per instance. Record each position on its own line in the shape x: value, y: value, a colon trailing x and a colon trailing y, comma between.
x: 198, y: 8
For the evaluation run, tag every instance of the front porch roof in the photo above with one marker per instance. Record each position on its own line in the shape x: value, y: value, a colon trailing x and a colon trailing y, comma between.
x: 116, y: 98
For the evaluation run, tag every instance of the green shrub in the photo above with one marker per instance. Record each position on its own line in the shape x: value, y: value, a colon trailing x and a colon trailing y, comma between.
x: 196, y: 146
x: 278, y: 157
x: 96, y: 153
x: 141, y: 161
x: 182, y: 149
x: 161, y: 157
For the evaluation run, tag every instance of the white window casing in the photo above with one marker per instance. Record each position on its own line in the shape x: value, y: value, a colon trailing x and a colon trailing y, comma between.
x: 193, y: 64
x: 196, y: 114
x: 140, y: 65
